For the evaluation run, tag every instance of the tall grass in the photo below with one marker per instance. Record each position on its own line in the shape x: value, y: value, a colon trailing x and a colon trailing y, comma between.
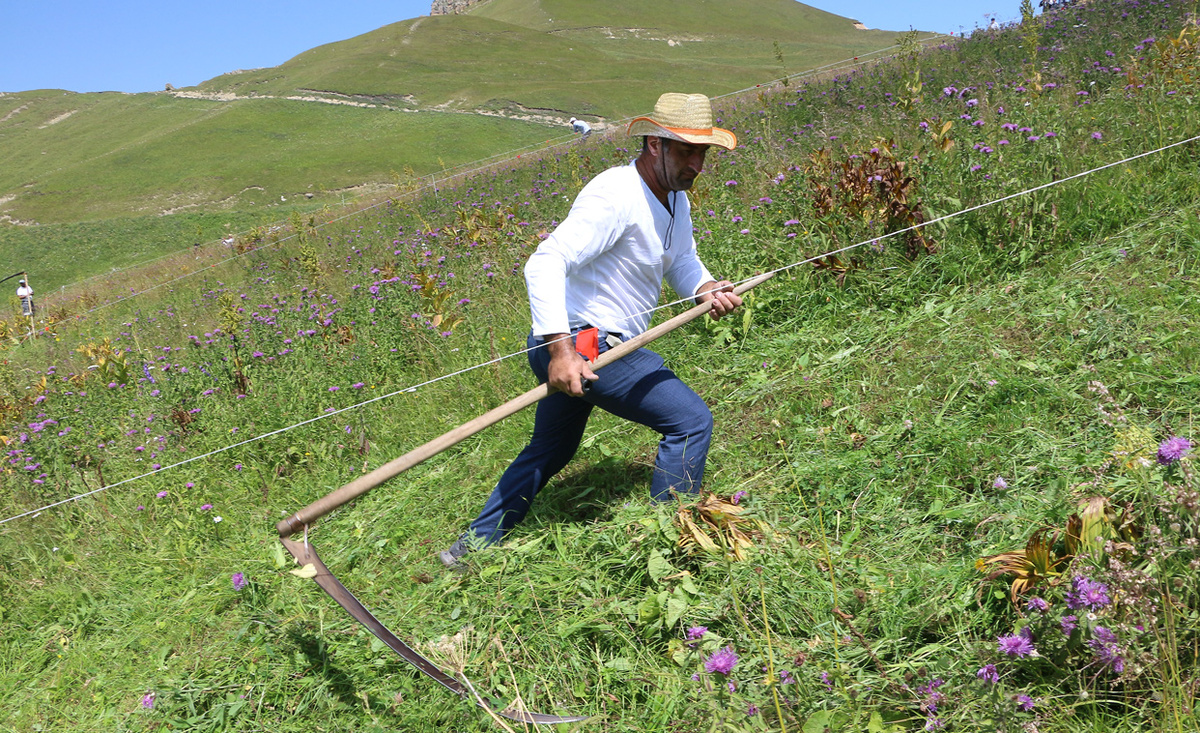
x: 868, y: 408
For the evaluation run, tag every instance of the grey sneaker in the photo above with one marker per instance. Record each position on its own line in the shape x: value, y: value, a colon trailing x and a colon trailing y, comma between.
x: 451, y: 556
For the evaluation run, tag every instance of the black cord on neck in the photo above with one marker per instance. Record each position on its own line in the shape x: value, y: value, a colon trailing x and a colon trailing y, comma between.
x: 662, y: 154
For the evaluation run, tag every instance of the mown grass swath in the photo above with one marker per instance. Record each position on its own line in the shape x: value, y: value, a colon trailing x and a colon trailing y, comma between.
x: 885, y: 421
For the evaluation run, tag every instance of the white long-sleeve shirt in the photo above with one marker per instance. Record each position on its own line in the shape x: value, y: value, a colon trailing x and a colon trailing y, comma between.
x: 604, y: 266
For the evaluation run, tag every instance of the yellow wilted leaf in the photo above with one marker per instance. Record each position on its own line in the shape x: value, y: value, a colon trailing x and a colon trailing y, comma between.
x: 715, y: 522
x: 308, y: 571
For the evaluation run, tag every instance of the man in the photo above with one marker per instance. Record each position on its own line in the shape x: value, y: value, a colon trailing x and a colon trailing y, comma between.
x: 25, y: 294
x: 581, y: 127
x: 592, y: 284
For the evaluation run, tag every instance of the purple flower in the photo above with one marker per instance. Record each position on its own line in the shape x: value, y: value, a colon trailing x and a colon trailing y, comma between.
x: 988, y: 674
x: 1096, y: 136
x: 1024, y: 702
x: 237, y: 466
x: 731, y: 183
x: 161, y: 494
x: 148, y: 701
x: 826, y: 681
x: 1000, y: 483
x: 1172, y: 449
x: 1037, y: 604
x: 1068, y: 623
x: 1086, y: 593
x: 205, y: 507
x: 739, y: 496
x: 696, y: 632
x: 1015, y: 645
x: 238, y: 580
x: 1108, y: 652
x: 751, y: 710
x: 722, y: 661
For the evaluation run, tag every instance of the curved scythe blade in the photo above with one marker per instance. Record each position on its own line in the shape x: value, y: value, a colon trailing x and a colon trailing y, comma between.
x: 306, y: 554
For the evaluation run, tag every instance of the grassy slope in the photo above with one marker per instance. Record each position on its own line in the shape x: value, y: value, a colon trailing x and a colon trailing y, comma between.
x: 176, y: 152
x: 568, y: 66
x: 135, y: 156
x: 1094, y: 280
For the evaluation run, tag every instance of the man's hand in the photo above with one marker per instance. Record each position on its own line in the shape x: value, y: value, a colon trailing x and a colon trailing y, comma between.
x: 567, y: 369
x: 723, y: 299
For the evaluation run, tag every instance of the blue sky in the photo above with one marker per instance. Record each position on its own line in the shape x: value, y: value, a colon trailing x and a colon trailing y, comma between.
x: 140, y: 46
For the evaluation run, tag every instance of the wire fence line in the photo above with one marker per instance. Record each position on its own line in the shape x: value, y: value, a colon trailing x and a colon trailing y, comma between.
x: 649, y: 311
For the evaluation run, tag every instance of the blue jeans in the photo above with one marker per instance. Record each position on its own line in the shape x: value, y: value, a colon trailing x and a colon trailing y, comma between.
x: 637, y: 387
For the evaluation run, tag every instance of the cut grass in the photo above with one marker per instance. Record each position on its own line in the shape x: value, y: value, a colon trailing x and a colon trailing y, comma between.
x: 867, y: 419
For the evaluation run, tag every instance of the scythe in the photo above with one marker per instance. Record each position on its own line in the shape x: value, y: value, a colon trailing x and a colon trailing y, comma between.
x: 306, y: 554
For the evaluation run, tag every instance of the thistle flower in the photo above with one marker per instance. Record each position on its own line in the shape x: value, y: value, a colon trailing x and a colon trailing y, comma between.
x: 696, y: 632
x: 1108, y: 652
x: 988, y: 674
x: 1015, y: 645
x: 722, y: 661
x: 1024, y: 702
x: 1086, y: 593
x: 1172, y: 449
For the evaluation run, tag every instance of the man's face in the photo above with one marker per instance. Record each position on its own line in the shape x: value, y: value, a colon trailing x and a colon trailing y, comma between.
x: 680, y: 163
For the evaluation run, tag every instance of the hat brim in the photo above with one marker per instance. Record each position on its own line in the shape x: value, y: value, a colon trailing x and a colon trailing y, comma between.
x: 642, y: 126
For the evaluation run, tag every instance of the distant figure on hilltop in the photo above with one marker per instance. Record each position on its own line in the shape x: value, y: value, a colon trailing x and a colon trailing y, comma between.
x: 581, y: 127
x: 25, y: 293
x: 993, y: 25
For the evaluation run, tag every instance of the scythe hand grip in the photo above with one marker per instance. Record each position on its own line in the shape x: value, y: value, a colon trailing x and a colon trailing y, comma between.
x: 361, y: 485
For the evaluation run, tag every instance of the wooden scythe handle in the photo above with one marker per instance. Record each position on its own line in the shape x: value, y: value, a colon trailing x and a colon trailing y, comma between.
x: 361, y: 485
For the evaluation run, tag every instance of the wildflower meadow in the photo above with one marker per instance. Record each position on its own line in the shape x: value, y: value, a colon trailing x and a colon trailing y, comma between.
x: 952, y: 486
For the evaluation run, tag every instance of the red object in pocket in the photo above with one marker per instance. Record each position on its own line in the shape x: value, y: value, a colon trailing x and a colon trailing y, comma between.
x: 587, y: 343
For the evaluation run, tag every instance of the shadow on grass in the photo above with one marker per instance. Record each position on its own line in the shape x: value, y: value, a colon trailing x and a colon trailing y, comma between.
x: 316, y: 653
x: 587, y: 493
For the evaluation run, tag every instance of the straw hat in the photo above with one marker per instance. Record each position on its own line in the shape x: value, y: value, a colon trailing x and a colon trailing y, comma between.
x: 686, y: 117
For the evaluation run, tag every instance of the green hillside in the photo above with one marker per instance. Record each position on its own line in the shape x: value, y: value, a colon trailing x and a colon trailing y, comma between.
x: 566, y: 56
x: 150, y: 154
x: 964, y: 454
x: 328, y: 119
